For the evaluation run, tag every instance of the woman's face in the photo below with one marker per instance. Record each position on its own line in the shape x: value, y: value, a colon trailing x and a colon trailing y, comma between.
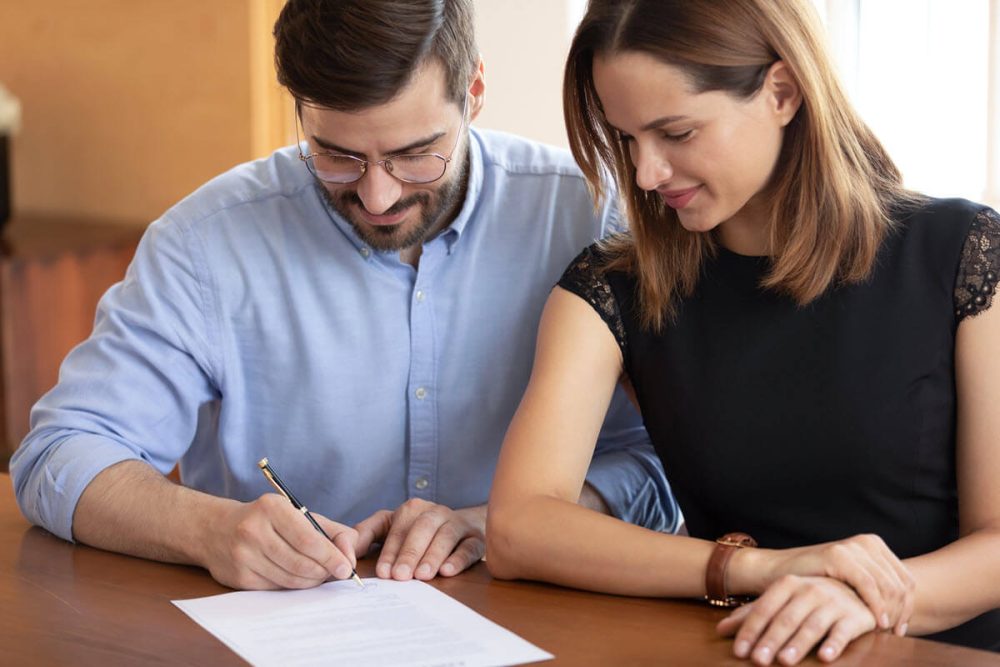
x: 708, y: 155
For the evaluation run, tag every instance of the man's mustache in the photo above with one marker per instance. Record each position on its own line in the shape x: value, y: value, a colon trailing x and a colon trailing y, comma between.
x: 400, y: 206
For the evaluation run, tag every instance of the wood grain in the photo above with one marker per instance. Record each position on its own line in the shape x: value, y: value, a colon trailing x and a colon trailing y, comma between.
x: 71, y: 604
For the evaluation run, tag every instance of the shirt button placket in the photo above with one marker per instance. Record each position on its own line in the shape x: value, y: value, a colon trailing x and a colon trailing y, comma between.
x: 422, y: 406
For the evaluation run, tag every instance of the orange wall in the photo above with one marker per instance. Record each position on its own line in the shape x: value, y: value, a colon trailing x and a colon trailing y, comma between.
x: 129, y: 105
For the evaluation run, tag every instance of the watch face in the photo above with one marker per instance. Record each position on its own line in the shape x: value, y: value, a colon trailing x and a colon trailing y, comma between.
x: 737, y: 540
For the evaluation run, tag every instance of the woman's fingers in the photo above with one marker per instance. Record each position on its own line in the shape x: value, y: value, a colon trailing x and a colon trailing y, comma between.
x: 795, y: 615
x: 865, y: 563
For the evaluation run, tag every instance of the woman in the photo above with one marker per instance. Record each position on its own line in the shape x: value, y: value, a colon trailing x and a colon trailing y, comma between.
x: 811, y: 347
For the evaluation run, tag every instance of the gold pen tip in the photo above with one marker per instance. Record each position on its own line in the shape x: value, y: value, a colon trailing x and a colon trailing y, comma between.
x: 262, y: 463
x: 355, y: 577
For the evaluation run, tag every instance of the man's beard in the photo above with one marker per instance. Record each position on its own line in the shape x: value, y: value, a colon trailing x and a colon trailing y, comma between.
x: 396, y: 237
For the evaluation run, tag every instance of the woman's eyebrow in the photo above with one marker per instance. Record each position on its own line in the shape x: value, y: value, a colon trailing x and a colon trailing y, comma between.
x: 665, y: 120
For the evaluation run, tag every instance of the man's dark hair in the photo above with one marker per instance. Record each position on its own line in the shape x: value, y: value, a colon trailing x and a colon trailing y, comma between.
x: 354, y: 54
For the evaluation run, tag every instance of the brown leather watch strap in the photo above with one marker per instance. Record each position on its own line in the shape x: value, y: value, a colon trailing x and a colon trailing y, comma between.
x: 715, y: 575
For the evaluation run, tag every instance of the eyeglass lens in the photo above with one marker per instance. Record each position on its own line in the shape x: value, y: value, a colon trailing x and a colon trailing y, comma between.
x: 346, y: 169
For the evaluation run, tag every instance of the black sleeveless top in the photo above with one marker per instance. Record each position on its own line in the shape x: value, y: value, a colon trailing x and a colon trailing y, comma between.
x: 801, y: 425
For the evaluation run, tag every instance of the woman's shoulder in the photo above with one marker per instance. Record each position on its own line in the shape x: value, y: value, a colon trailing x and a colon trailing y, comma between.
x: 959, y: 241
x: 590, y: 276
x: 590, y: 273
x: 609, y: 254
x: 931, y: 215
x: 938, y: 229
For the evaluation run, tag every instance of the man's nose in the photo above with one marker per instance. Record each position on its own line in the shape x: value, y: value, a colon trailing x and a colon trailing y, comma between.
x: 379, y: 190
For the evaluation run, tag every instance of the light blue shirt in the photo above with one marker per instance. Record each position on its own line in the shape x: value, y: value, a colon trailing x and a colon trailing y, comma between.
x: 254, y: 322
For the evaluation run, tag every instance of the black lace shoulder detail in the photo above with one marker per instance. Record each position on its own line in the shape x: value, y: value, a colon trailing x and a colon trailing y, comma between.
x: 585, y: 279
x: 979, y: 266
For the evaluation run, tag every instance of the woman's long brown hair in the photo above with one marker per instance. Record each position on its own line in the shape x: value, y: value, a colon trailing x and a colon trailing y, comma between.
x: 831, y: 190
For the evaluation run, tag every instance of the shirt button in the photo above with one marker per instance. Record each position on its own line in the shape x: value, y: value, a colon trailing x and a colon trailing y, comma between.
x: 420, y: 393
x: 420, y: 295
x: 366, y: 253
x: 421, y: 483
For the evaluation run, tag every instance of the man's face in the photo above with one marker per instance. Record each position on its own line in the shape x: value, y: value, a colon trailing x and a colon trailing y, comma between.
x: 386, y: 213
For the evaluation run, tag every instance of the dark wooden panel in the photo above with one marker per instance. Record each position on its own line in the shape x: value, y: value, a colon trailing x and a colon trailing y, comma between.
x: 52, y: 274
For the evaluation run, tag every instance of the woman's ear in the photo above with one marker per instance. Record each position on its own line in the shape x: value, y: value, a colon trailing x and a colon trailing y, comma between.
x: 782, y: 88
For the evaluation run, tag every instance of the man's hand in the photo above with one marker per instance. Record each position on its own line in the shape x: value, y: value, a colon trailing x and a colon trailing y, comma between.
x: 268, y: 544
x: 422, y: 539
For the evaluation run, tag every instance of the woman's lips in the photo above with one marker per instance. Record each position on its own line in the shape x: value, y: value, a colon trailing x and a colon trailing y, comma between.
x: 678, y: 199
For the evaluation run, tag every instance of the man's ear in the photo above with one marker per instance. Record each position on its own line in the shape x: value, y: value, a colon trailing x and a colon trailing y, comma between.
x: 784, y: 94
x: 477, y: 90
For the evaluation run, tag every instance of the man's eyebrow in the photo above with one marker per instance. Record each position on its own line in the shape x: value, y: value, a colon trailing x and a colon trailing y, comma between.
x: 659, y: 122
x: 420, y: 143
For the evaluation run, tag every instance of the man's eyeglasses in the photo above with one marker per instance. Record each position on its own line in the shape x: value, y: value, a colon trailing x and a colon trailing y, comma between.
x: 416, y: 168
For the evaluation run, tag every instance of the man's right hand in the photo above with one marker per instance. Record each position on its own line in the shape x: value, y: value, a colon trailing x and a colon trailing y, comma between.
x: 131, y: 508
x: 268, y: 544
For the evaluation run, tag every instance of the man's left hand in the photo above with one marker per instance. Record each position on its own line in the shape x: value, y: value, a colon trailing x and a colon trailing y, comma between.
x: 422, y: 539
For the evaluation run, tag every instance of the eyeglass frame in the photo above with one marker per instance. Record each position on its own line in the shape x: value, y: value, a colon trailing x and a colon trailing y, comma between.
x: 386, y: 162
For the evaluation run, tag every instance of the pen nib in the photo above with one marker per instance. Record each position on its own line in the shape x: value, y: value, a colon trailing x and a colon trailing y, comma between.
x: 355, y: 577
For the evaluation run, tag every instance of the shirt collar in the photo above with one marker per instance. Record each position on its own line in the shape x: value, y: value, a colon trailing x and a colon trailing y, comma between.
x: 472, y: 190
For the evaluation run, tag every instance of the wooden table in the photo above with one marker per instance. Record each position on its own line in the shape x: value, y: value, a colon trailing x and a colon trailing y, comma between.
x: 62, y: 604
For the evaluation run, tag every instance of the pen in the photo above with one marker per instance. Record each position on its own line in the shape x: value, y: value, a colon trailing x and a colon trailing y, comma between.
x: 273, y: 478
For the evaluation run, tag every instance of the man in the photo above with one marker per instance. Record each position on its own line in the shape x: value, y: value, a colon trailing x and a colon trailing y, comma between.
x: 362, y: 313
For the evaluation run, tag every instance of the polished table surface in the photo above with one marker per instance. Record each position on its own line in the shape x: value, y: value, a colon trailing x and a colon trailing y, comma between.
x: 64, y: 604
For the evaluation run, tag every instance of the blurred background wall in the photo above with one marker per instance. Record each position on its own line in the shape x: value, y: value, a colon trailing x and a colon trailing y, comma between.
x: 129, y: 105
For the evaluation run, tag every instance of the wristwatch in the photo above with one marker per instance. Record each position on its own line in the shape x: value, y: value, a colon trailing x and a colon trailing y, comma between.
x: 715, y: 576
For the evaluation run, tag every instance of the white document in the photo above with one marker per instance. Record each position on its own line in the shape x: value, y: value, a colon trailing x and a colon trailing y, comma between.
x: 386, y: 623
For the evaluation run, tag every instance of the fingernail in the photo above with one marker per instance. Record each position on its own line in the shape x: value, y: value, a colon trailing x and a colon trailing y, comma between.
x: 447, y: 569
x: 401, y: 572
x: 343, y: 571
x: 903, y: 628
x: 764, y: 654
x: 884, y: 621
x: 789, y: 654
x: 424, y: 571
x: 827, y: 652
x: 742, y: 648
x: 383, y: 570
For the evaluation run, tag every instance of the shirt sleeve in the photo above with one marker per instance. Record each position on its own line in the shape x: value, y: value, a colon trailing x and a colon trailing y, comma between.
x: 979, y: 266
x: 131, y: 391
